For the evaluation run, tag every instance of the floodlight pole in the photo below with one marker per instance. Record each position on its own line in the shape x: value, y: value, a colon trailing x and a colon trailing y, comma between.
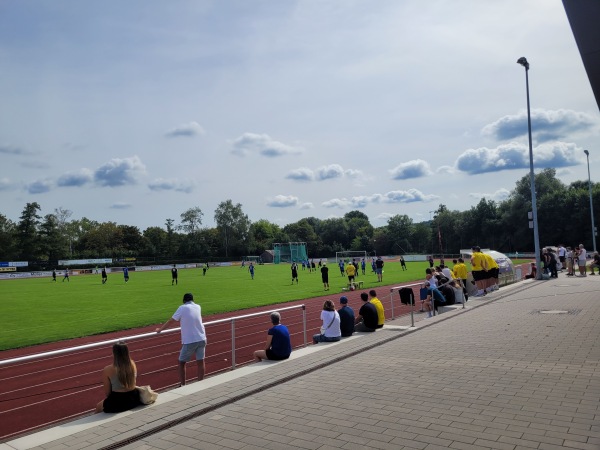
x: 587, y: 154
x: 536, y: 237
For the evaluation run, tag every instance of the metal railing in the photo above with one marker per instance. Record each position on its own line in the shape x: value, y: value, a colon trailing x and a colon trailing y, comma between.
x: 153, y: 334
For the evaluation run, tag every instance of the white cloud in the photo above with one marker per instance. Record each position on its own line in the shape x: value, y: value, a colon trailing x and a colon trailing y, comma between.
x: 120, y: 205
x: 499, y: 195
x: 120, y: 172
x: 39, y: 186
x: 329, y: 172
x: 161, y: 184
x: 76, y: 178
x: 283, y: 201
x: 185, y: 130
x: 516, y: 156
x: 300, y: 174
x: 336, y: 203
x: 546, y: 125
x: 353, y: 173
x: 409, y: 196
x: 411, y: 169
x: 307, y: 205
x: 262, y: 144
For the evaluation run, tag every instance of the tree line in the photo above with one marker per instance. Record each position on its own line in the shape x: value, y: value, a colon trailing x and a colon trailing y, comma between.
x: 563, y: 216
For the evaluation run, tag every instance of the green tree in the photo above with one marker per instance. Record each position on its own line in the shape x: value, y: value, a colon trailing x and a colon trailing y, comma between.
x: 52, y: 241
x: 28, y: 238
x: 302, y: 231
x: 133, y: 240
x: 7, y: 238
x: 399, y: 231
x: 233, y: 225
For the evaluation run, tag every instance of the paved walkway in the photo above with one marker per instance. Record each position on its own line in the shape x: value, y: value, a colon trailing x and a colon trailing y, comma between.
x: 519, y: 369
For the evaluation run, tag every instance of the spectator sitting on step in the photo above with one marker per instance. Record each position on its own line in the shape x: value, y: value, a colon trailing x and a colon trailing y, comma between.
x: 346, y: 317
x: 279, y: 345
x: 330, y: 329
x: 367, y: 315
x: 533, y: 272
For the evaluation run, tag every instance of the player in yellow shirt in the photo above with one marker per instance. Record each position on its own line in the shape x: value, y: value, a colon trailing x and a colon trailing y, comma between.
x: 493, y: 273
x: 479, y: 270
x: 460, y: 272
x: 351, y: 272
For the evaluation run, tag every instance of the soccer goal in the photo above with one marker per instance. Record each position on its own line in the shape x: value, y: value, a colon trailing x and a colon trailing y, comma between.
x: 349, y: 255
x: 253, y: 259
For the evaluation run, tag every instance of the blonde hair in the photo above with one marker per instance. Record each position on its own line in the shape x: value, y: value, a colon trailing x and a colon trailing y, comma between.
x: 124, y: 365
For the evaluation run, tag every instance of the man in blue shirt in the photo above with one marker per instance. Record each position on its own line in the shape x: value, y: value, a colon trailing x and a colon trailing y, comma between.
x: 346, y: 317
x: 279, y: 344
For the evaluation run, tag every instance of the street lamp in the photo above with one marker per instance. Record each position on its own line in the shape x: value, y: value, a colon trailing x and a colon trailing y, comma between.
x: 536, y: 237
x: 587, y: 154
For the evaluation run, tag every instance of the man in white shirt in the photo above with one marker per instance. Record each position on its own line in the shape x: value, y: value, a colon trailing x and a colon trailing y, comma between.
x: 193, y: 336
x: 582, y: 260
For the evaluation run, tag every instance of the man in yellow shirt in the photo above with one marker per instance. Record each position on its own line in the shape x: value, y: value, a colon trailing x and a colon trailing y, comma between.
x: 351, y: 272
x: 379, y: 307
x: 460, y: 272
x: 493, y: 273
x: 479, y: 270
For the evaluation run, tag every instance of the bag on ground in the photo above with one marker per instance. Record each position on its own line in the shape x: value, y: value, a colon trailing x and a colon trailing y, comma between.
x: 147, y: 395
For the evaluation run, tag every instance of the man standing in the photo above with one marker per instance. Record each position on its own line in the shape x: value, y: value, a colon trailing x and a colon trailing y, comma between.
x: 379, y: 307
x: 295, y: 272
x: 350, y: 271
x: 582, y: 260
x: 66, y: 277
x: 325, y: 276
x: 346, y: 317
x: 460, y: 272
x: 174, y: 275
x: 367, y: 315
x: 595, y: 264
x: 402, y: 263
x: 562, y: 256
x: 251, y: 270
x: 193, y: 336
x: 104, y: 276
x: 379, y: 269
x: 126, y: 274
x: 479, y: 270
x: 54, y: 275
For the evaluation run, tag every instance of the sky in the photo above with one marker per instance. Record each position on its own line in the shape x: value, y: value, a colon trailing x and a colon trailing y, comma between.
x: 134, y: 112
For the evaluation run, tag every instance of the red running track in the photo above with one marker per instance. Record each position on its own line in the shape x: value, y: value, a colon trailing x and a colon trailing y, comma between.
x: 43, y: 392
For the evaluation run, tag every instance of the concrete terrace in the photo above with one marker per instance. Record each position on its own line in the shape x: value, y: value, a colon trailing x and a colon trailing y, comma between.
x: 518, y: 369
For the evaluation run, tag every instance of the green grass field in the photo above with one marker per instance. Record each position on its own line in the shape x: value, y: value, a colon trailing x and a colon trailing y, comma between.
x: 36, y: 311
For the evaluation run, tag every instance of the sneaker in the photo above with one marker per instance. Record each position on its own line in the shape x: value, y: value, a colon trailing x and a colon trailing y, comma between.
x: 592, y: 273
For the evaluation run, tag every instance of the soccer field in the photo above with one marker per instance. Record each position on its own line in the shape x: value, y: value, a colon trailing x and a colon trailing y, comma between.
x: 37, y: 310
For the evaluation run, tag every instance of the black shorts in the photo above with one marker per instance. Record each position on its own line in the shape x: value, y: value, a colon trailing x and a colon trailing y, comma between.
x: 479, y: 275
x: 274, y: 357
x: 121, y: 401
x: 494, y: 273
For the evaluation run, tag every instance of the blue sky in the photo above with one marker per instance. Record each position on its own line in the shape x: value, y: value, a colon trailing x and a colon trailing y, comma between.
x: 136, y: 111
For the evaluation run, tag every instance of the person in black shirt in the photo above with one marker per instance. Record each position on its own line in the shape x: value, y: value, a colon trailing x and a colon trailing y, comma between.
x: 367, y: 315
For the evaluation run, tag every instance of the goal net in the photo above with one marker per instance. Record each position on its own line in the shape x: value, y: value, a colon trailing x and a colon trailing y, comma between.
x: 254, y: 259
x: 349, y: 255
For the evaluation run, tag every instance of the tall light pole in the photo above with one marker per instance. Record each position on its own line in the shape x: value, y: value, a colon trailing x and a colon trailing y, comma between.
x: 536, y: 236
x: 587, y: 154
